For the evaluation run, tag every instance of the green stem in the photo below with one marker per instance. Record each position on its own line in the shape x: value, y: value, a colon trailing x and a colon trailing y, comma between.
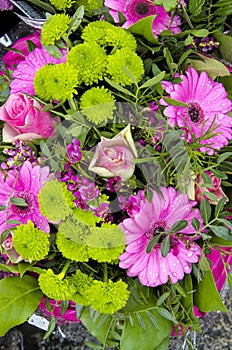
x: 105, y: 276
x: 64, y: 270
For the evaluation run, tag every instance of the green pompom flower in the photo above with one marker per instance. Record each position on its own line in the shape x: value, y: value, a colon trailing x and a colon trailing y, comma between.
x: 98, y: 105
x: 30, y: 242
x: 71, y: 250
x: 131, y: 61
x: 108, y: 297
x: 56, y: 82
x: 105, y: 34
x: 54, y: 28
x: 62, y: 4
x: 82, y: 283
x: 89, y: 59
x: 55, y: 201
x: 105, y: 254
x: 89, y: 5
x: 55, y: 286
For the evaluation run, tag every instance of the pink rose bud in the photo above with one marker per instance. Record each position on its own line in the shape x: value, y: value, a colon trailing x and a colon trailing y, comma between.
x: 25, y: 119
x: 9, y: 250
x: 115, y: 157
x: 202, y: 190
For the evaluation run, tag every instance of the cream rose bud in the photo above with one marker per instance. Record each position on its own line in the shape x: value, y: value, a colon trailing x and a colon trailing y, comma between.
x: 115, y: 157
x: 25, y: 119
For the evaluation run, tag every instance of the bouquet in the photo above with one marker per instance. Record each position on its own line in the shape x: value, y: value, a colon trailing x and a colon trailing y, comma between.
x: 115, y: 187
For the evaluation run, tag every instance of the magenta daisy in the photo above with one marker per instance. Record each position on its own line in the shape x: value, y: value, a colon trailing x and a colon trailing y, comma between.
x: 207, y: 110
x: 134, y: 10
x: 23, y: 184
x: 154, y: 218
x: 24, y: 74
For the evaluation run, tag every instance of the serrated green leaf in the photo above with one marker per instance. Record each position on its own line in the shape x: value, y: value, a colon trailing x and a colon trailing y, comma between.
x: 207, y: 297
x: 13, y: 308
x: 144, y: 27
x: 205, y: 210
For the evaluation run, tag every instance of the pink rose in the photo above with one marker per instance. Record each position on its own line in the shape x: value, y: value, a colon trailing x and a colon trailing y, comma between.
x: 12, y: 58
x: 25, y: 119
x: 115, y: 157
x: 202, y: 190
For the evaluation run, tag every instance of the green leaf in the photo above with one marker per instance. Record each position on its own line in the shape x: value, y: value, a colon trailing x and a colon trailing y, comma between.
x: 201, y: 33
x: 51, y: 327
x: 165, y: 246
x: 173, y: 102
x: 195, y: 6
x: 196, y: 223
x: 162, y: 298
x: 211, y: 66
x: 53, y: 51
x: 221, y: 231
x: 152, y: 243
x: 20, y: 202
x: 224, y: 156
x: 167, y: 4
x: 179, y: 225
x: 76, y: 19
x: 119, y: 87
x: 207, y: 297
x: 205, y: 210
x: 226, y: 222
x: 144, y: 27
x: 14, y: 291
x: 153, y: 81
x: 229, y: 280
x: 44, y: 148
x: 219, y: 174
x: 219, y: 206
x: 166, y: 314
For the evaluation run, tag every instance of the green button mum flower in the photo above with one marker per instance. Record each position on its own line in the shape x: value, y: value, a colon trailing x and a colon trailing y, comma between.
x: 70, y: 249
x: 62, y: 4
x: 98, y: 105
x: 82, y: 283
x: 131, y: 61
x: 30, y: 242
x: 108, y: 297
x: 56, y: 82
x: 105, y: 34
x: 89, y: 5
x: 89, y: 59
x: 54, y: 28
x: 55, y: 286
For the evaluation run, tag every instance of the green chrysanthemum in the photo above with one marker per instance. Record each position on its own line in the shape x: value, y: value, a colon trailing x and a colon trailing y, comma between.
x: 62, y: 4
x: 54, y: 28
x: 55, y: 201
x: 56, y: 82
x: 30, y: 242
x: 105, y: 34
x: 89, y: 59
x: 71, y: 250
x: 98, y: 105
x: 105, y: 254
x: 129, y: 60
x: 82, y: 283
x: 89, y: 5
x: 55, y: 286
x: 109, y: 297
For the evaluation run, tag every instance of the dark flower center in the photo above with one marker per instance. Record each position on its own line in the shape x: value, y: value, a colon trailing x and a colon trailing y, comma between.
x: 142, y: 8
x: 155, y: 229
x: 24, y: 210
x: 195, y: 113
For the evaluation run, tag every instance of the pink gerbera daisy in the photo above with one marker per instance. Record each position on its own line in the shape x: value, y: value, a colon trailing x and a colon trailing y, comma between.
x: 207, y: 110
x: 24, y: 74
x: 134, y: 10
x: 156, y: 217
x: 23, y: 184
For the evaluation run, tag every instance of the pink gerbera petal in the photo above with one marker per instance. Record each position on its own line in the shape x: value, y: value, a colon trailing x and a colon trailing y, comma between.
x: 208, y: 106
x: 151, y: 267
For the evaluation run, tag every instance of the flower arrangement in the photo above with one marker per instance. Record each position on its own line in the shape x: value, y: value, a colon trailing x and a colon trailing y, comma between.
x: 115, y: 186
